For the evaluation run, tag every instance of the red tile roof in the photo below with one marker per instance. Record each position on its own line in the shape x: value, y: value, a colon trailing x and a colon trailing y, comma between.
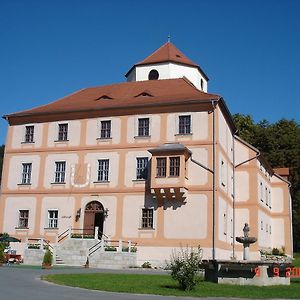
x: 124, y: 95
x: 168, y: 53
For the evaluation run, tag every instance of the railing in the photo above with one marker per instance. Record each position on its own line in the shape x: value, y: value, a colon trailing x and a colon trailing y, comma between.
x: 113, y: 246
x: 81, y: 233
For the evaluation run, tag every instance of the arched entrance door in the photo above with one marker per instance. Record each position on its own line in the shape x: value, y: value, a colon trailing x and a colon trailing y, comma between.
x: 93, y: 217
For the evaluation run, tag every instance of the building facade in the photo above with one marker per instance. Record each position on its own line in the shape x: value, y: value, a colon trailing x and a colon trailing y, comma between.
x: 155, y: 160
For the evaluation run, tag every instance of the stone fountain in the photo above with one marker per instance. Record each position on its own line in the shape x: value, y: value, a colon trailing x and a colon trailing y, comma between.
x: 246, y: 240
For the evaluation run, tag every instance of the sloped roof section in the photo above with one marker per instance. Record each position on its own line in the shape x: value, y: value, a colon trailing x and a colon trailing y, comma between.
x: 123, y: 96
x: 167, y: 52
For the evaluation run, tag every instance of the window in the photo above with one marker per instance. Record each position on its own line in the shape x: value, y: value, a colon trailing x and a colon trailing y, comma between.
x: 184, y: 125
x: 267, y: 228
x: 23, y: 218
x: 29, y: 134
x: 26, y: 173
x: 267, y: 196
x: 143, y: 127
x: 52, y: 218
x: 201, y: 84
x: 105, y: 132
x: 161, y: 164
x: 261, y: 225
x: 153, y: 75
x: 174, y: 166
x: 103, y: 168
x: 270, y: 229
x: 147, y: 218
x: 141, y: 167
x: 60, y: 172
x: 225, y: 223
x: 223, y: 172
x: 270, y: 200
x: 63, y: 132
x: 261, y: 192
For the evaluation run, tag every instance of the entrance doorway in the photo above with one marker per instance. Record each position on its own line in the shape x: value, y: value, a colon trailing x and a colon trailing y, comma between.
x: 93, y: 217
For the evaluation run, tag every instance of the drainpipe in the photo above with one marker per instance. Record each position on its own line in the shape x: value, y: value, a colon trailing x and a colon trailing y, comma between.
x: 233, y: 194
x: 214, y: 183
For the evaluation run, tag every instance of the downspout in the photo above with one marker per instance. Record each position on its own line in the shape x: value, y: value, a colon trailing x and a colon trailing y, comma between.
x: 233, y: 194
x: 214, y: 183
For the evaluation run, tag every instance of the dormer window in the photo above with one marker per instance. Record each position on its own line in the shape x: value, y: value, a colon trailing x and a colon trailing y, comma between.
x: 153, y: 75
x: 201, y: 84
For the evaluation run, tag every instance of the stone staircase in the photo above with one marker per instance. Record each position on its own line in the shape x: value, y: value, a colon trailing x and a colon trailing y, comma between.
x: 59, y: 261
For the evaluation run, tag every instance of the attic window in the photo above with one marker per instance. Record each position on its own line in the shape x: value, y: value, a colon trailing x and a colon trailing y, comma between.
x: 177, y: 55
x: 144, y: 94
x: 153, y: 75
x: 104, y: 97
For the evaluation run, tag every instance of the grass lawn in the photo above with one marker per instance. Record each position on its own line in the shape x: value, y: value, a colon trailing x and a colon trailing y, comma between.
x: 164, y: 285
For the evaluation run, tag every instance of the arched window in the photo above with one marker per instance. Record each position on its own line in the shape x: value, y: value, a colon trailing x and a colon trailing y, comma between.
x: 153, y: 75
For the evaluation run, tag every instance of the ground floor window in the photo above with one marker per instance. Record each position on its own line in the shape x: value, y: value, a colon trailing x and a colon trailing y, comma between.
x: 147, y: 218
x: 23, y: 218
x: 52, y: 218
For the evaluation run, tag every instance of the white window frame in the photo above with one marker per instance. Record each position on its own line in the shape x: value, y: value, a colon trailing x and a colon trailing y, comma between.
x: 103, y: 174
x: 52, y: 221
x: 19, y: 219
x: 64, y: 135
x: 178, y: 123
x: 26, y: 176
x: 60, y: 175
x: 101, y: 122
x: 31, y: 135
x: 136, y: 126
x: 140, y: 170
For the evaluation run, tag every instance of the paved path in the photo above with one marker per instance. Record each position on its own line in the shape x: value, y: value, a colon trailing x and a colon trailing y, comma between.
x: 24, y: 283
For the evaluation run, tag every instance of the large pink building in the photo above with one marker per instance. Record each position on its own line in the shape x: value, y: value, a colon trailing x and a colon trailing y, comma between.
x: 154, y: 160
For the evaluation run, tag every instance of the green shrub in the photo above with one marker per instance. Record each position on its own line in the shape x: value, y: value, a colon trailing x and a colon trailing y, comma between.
x: 47, y: 260
x: 110, y: 248
x: 185, y: 267
x: 2, y: 256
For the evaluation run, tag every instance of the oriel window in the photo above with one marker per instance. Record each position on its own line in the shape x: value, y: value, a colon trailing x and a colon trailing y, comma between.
x: 174, y: 166
x: 161, y: 165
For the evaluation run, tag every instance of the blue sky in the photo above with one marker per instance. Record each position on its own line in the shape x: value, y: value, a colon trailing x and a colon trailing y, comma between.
x: 250, y: 50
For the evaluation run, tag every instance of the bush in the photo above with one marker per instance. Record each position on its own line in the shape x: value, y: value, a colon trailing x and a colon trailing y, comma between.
x: 185, y: 267
x: 47, y: 260
x: 2, y: 256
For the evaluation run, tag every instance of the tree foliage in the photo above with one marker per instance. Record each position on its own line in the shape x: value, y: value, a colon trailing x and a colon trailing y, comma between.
x: 279, y: 143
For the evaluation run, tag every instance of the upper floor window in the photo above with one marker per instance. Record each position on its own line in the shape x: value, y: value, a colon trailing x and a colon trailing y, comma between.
x: 103, y: 169
x: 60, y: 172
x: 161, y: 167
x: 23, y: 218
x: 63, y: 132
x: 223, y: 177
x: 174, y: 166
x: 26, y: 173
x: 261, y: 192
x: 147, y: 218
x: 105, y: 131
x: 184, y: 125
x: 141, y: 167
x: 53, y: 218
x: 143, y: 127
x: 153, y: 75
x: 29, y: 134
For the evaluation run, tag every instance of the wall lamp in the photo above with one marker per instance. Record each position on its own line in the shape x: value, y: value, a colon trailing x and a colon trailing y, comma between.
x: 78, y: 214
